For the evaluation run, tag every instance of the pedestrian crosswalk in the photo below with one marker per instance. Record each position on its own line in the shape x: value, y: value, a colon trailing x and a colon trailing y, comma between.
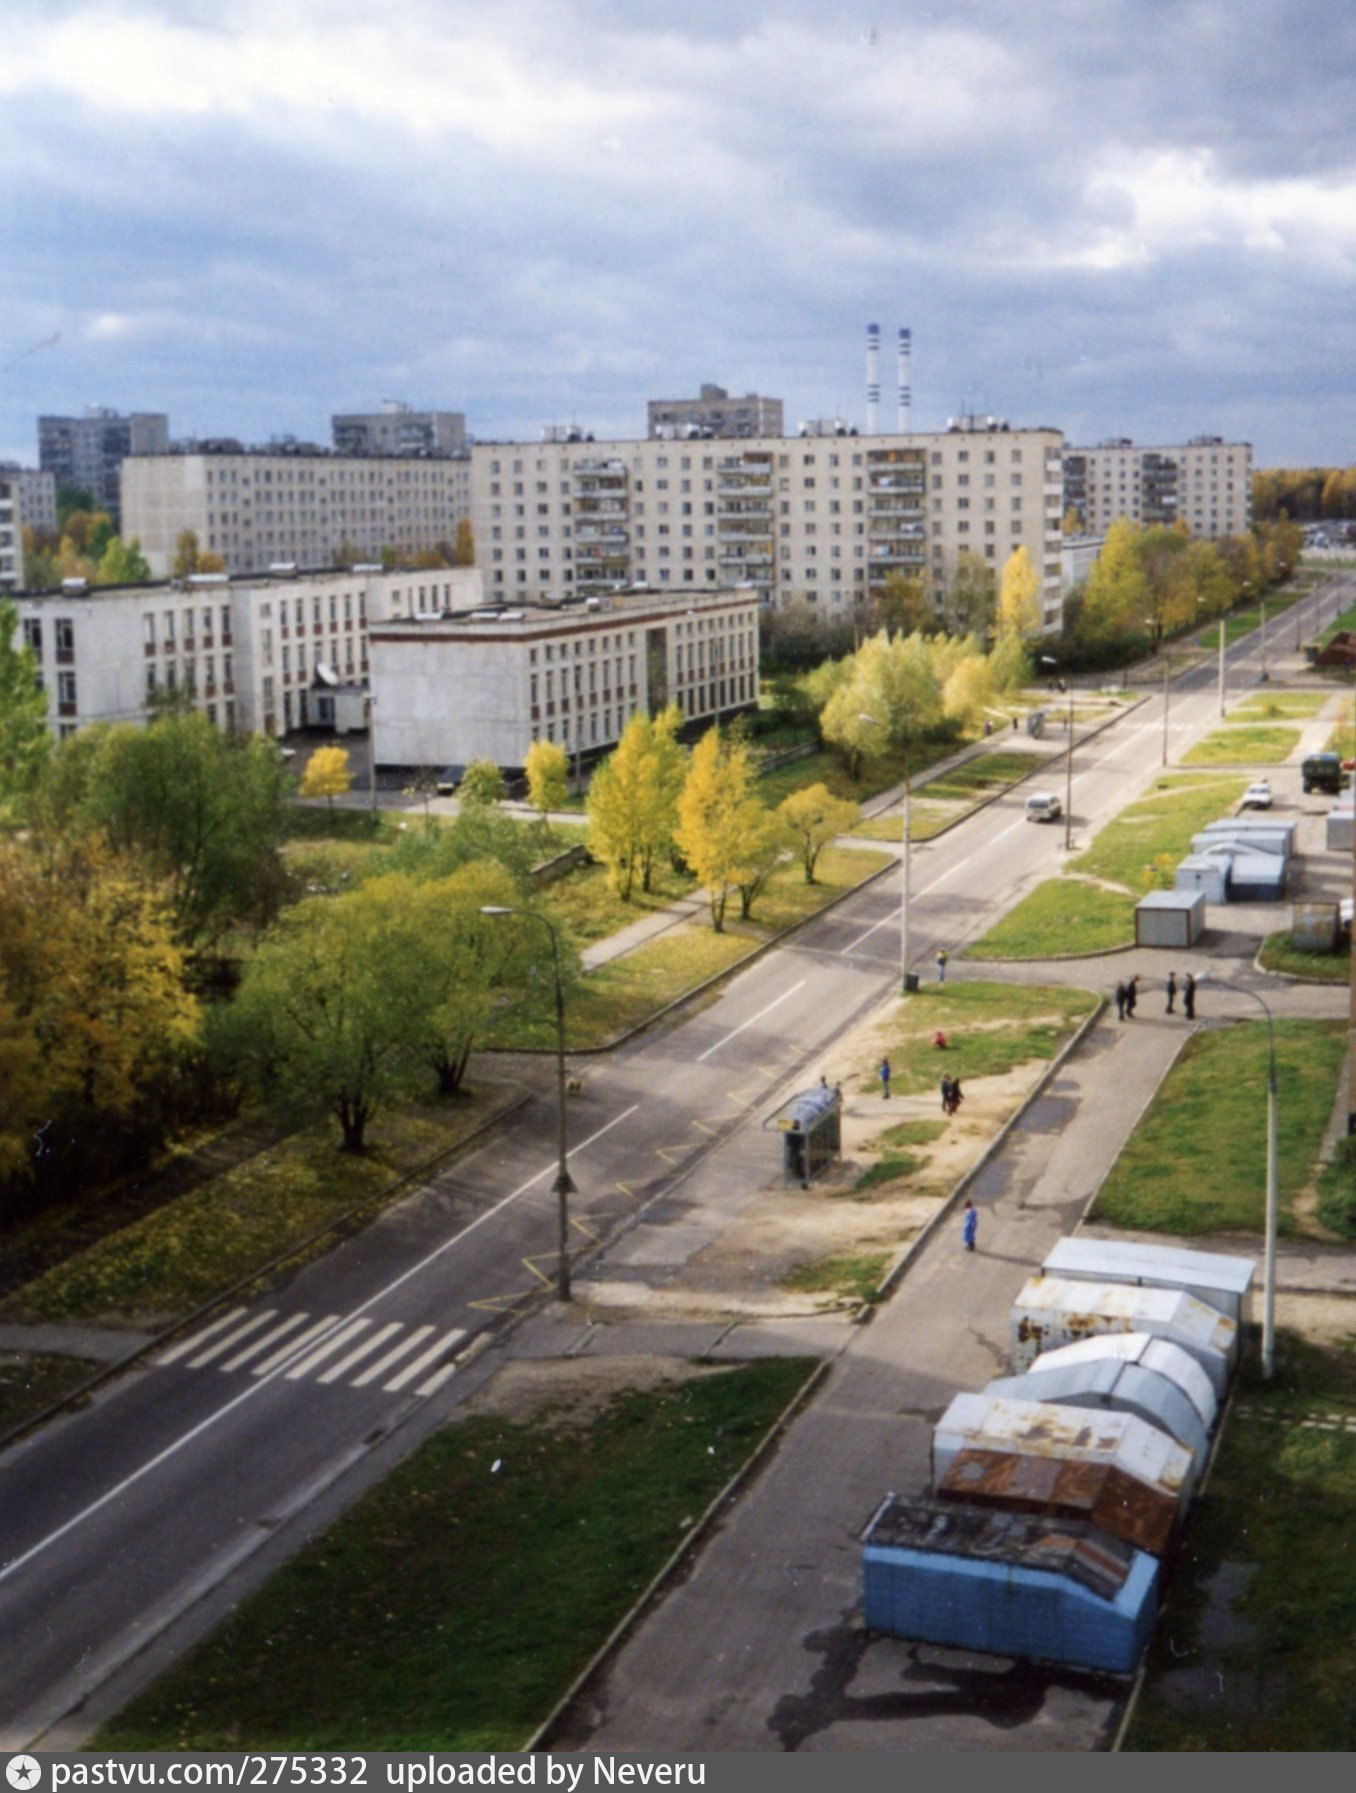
x: 330, y: 1349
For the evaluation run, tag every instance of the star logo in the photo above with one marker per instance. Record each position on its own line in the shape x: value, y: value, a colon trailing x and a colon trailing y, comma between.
x: 23, y: 1772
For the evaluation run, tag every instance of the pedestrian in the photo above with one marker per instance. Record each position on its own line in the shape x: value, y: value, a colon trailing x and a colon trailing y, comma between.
x: 969, y: 1225
x: 1120, y: 1000
x: 1172, y: 990
x: 885, y: 1078
x: 1014, y: 725
x: 941, y: 964
x: 1189, y: 996
x: 1131, y: 997
x: 946, y: 1095
x: 955, y: 1095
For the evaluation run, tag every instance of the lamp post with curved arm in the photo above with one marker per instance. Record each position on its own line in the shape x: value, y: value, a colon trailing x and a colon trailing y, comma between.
x: 564, y: 1186
x: 1269, y: 1248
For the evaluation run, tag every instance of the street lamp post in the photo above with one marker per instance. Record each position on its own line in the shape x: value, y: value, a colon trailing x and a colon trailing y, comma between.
x: 907, y: 866
x: 1221, y: 665
x: 564, y: 1186
x: 1047, y: 660
x: 1269, y: 1246
x: 1264, y: 641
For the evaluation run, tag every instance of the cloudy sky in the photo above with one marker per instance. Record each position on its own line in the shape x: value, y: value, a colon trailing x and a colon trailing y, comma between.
x: 1129, y: 217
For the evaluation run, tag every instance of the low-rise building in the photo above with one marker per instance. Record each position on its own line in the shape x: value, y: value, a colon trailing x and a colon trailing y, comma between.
x: 453, y: 689
x: 253, y: 654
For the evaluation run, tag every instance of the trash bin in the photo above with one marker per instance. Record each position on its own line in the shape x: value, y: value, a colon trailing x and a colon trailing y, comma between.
x: 911, y: 983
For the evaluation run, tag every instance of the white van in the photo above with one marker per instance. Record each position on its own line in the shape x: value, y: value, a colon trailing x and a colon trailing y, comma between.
x: 1043, y: 806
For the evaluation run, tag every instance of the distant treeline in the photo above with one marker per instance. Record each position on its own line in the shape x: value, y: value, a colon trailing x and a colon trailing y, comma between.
x: 1305, y: 494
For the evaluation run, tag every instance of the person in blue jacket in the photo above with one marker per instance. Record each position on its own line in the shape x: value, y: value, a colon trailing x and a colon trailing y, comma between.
x: 970, y: 1225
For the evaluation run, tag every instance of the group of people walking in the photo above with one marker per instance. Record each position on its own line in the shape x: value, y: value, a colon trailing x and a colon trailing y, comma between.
x: 1127, y: 996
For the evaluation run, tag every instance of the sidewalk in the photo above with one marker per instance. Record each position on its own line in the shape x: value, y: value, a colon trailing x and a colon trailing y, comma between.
x: 759, y: 1645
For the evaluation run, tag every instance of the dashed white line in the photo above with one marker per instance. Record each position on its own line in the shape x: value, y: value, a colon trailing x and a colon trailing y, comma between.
x: 776, y: 1003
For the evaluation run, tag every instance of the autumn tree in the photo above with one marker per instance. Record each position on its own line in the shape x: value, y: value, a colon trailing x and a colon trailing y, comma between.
x: 714, y: 818
x: 902, y: 605
x: 812, y: 817
x: 971, y: 596
x: 328, y: 774
x: 969, y: 690
x: 24, y: 740
x: 122, y: 563
x: 632, y: 800
x: 464, y: 547
x: 94, y: 1014
x: 1019, y: 607
x: 1113, y: 603
x: 547, y: 768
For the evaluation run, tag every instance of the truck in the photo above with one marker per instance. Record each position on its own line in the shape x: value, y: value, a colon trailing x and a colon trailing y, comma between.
x: 1323, y: 772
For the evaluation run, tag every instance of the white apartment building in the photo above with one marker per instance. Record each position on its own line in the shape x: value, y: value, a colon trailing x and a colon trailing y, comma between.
x: 454, y: 689
x: 256, y: 508
x: 27, y: 501
x: 260, y: 654
x: 824, y: 519
x: 1205, y: 483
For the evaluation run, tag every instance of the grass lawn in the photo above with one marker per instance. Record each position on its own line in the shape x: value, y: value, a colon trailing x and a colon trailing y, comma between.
x: 1157, y: 830
x: 1342, y: 740
x: 856, y: 1278
x: 1063, y: 915
x: 585, y: 902
x: 944, y: 800
x: 990, y: 1029
x: 1272, y: 1667
x: 1278, y: 954
x: 1197, y: 1161
x: 1279, y: 706
x: 30, y: 1383
x: 179, y: 1256
x: 827, y: 768
x: 1251, y: 744
x: 1337, y: 1191
x: 453, y: 1606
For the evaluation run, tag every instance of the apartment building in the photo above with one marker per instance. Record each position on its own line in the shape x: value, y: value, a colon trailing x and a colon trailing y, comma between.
x: 1205, y: 483
x: 258, y: 507
x: 398, y: 429
x: 453, y: 689
x: 89, y: 451
x: 714, y: 413
x: 825, y: 519
x: 256, y: 654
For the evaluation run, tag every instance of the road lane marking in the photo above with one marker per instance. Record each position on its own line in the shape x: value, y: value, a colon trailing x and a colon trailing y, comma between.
x: 195, y: 1339
x: 205, y: 1425
x: 436, y: 1380
x: 422, y: 1362
x: 285, y: 1354
x: 255, y: 1346
x: 369, y: 1344
x: 380, y: 1367
x: 776, y: 1003
x: 334, y: 1343
x: 233, y: 1338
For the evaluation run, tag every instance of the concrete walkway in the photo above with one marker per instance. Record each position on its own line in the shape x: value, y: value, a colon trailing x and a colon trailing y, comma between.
x: 759, y: 1646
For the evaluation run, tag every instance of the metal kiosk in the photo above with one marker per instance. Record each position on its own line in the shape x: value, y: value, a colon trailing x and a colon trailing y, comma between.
x: 812, y: 1133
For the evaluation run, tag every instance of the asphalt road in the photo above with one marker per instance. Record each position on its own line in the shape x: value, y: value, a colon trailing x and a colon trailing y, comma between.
x: 118, y: 1519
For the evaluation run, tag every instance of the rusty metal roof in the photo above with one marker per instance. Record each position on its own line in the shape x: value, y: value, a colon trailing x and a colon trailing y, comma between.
x: 1072, y: 1547
x: 1108, y: 1497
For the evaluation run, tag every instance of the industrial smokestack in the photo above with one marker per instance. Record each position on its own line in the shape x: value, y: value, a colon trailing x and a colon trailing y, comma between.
x: 905, y: 379
x: 873, y: 379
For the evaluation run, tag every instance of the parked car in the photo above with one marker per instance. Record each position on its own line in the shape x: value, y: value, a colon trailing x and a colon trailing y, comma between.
x: 1323, y: 772
x: 448, y: 780
x: 1043, y: 806
x: 1257, y: 796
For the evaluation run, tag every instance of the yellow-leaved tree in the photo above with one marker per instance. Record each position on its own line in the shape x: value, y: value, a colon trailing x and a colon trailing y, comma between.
x: 1019, y: 608
x: 812, y: 817
x: 327, y: 774
x: 731, y: 840
x: 547, y: 769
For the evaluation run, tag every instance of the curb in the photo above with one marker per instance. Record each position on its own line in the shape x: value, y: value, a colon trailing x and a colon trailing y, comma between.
x: 183, y: 1321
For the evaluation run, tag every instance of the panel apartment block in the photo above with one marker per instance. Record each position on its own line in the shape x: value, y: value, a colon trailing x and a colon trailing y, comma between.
x: 257, y: 509
x: 821, y: 519
x: 89, y: 451
x: 1205, y: 483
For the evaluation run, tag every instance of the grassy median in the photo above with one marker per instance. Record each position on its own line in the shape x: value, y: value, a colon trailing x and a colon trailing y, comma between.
x: 453, y: 1606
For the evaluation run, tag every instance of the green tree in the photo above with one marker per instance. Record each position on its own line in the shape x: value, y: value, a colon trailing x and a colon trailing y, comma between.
x: 333, y: 1007
x: 902, y: 605
x: 328, y: 774
x: 812, y: 817
x: 1116, y: 594
x: 482, y: 784
x: 464, y: 548
x: 204, y: 810
x: 971, y: 597
x: 122, y: 563
x: 968, y: 691
x: 547, y: 768
x: 25, y: 744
